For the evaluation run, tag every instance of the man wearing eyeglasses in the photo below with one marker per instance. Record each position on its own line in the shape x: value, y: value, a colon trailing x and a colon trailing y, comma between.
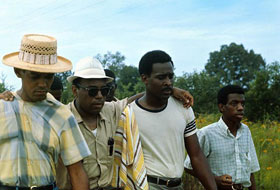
x: 97, y: 121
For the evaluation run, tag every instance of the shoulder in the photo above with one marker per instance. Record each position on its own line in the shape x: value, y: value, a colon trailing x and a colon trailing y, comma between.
x: 245, y: 129
x: 211, y: 128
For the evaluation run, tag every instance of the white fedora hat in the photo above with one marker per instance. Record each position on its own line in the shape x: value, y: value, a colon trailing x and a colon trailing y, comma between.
x: 89, y: 68
x: 38, y: 53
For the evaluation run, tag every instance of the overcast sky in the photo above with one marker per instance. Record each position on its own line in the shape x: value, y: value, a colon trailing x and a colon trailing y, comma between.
x: 186, y: 29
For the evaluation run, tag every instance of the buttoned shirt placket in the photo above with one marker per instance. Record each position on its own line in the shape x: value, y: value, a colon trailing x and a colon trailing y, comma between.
x: 237, y: 154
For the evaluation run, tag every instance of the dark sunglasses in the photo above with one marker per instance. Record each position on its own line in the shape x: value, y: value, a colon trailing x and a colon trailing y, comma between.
x: 93, y: 91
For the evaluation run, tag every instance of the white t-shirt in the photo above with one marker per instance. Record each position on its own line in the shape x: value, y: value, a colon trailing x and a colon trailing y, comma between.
x: 162, y: 135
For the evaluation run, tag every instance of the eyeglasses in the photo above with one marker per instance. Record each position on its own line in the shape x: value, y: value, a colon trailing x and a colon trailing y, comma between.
x: 93, y: 91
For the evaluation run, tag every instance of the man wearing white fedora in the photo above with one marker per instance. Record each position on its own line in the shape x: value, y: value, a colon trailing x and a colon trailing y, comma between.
x: 36, y: 128
x: 98, y: 121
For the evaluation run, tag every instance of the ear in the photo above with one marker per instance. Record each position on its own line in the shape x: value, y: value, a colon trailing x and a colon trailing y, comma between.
x: 144, y: 78
x: 74, y: 91
x: 18, y: 72
x: 221, y: 107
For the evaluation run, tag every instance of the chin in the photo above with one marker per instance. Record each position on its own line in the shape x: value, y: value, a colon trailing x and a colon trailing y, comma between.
x: 41, y: 98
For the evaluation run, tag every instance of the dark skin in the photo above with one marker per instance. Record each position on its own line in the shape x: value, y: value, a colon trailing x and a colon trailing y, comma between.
x: 88, y: 106
x: 232, y: 114
x: 34, y: 88
x: 159, y: 87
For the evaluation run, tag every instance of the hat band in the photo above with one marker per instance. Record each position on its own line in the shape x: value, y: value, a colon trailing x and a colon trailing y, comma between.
x: 37, y: 59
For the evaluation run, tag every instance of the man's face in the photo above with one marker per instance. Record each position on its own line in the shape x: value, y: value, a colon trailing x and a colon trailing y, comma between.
x: 111, y: 95
x: 88, y: 102
x: 160, y: 82
x: 35, y: 85
x: 234, y: 109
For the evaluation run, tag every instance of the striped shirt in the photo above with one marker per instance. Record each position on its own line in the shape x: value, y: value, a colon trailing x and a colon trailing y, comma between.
x: 227, y: 154
x: 32, y: 136
x: 162, y: 135
x: 129, y: 169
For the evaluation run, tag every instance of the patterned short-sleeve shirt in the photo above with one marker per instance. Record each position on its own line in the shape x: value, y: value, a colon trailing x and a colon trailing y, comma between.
x: 228, y: 154
x: 32, y: 136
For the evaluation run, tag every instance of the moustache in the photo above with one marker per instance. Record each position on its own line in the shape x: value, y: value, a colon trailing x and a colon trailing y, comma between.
x: 167, y: 88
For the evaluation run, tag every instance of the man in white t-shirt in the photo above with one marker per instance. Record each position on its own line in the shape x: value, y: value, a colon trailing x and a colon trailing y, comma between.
x: 166, y: 127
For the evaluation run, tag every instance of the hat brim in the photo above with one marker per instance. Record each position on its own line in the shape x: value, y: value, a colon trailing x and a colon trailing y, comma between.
x: 62, y: 64
x: 72, y: 78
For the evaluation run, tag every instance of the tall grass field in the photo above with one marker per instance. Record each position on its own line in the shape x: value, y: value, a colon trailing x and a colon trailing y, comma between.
x: 266, y: 137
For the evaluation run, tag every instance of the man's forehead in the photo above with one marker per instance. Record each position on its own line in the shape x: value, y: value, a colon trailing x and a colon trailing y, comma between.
x: 236, y: 96
x: 166, y: 67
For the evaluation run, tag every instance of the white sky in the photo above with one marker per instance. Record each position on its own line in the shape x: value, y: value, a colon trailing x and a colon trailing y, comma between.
x: 186, y: 29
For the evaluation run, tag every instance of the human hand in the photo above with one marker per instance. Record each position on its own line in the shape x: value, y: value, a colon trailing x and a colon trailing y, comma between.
x: 183, y: 96
x: 7, y: 96
x: 224, y: 181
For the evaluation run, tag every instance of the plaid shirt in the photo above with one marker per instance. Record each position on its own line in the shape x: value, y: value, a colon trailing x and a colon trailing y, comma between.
x: 227, y: 154
x: 32, y: 136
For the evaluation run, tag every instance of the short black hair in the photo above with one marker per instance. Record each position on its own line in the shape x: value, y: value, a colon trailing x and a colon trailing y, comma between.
x: 225, y: 91
x: 57, y: 84
x: 151, y: 57
x: 110, y: 73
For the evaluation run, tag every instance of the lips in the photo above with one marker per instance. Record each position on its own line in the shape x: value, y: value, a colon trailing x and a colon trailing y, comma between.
x: 40, y: 92
x: 167, y: 91
x: 98, y: 105
x: 240, y: 115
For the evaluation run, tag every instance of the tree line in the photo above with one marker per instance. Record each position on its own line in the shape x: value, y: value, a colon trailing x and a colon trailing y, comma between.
x: 232, y: 64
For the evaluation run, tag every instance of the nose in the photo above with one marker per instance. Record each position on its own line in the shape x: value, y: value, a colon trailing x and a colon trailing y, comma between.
x: 99, y: 95
x: 168, y: 81
x: 42, y: 83
x: 240, y: 107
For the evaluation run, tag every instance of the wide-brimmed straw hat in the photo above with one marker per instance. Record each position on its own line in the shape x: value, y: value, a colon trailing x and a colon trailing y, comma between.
x: 89, y: 68
x: 38, y: 53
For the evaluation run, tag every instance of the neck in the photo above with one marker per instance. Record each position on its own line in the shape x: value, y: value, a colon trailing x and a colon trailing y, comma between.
x: 151, y: 102
x: 83, y: 114
x: 233, y: 126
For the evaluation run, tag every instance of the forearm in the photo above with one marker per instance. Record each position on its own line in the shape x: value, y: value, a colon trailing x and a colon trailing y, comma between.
x: 202, y: 171
x: 189, y: 171
x: 78, y: 177
x: 134, y: 97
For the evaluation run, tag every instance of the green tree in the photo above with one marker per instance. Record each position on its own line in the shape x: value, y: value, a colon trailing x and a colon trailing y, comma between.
x: 127, y: 77
x: 234, y: 65
x: 67, y: 95
x: 3, y: 85
x: 203, y: 88
x: 112, y: 61
x: 263, y: 100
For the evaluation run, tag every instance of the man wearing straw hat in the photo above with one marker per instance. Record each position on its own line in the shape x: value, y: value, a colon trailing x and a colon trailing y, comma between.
x: 36, y: 128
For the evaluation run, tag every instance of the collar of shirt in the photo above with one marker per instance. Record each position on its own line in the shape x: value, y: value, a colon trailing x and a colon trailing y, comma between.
x: 49, y: 99
x: 226, y: 131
